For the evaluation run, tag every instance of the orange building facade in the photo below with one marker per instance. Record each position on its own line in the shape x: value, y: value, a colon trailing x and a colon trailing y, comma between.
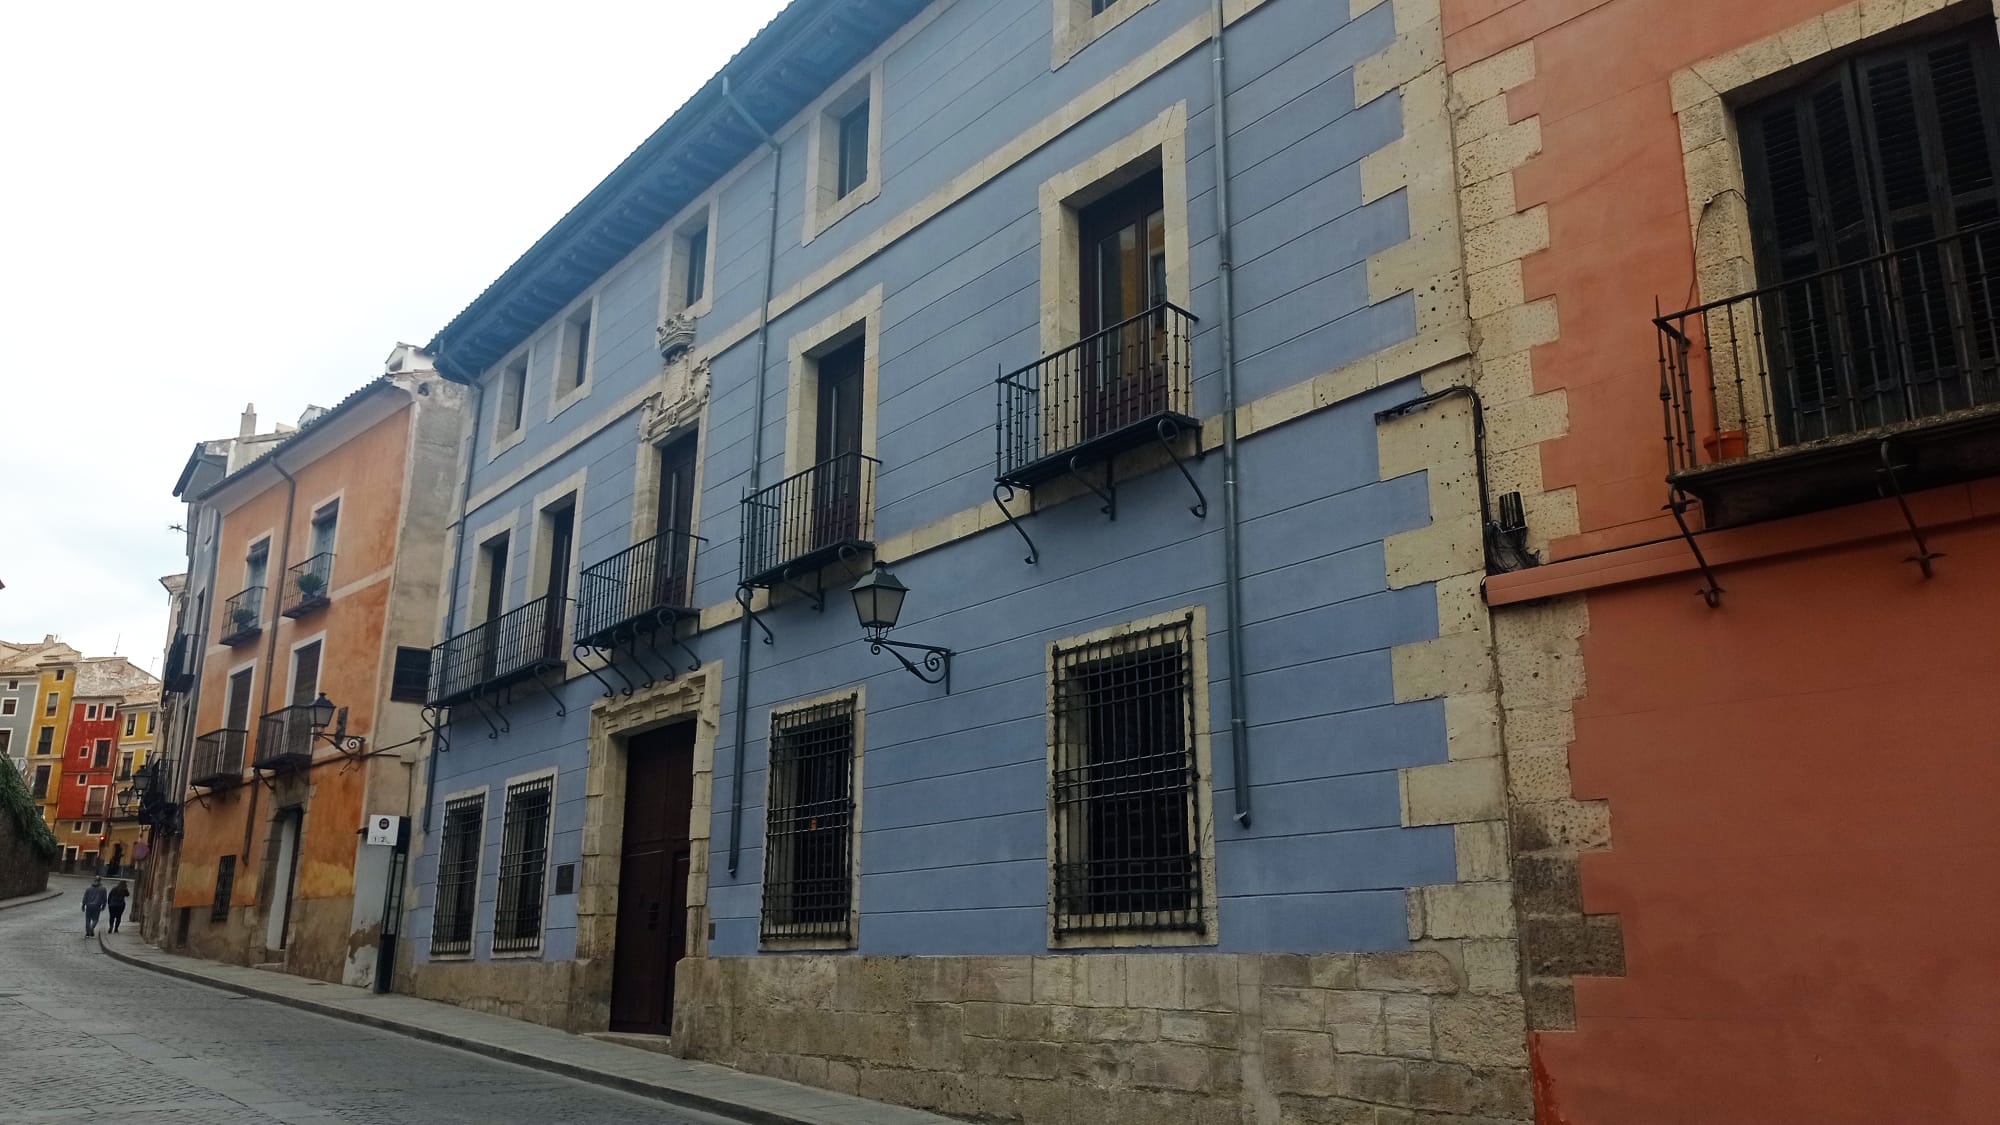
x: 1735, y: 279
x: 328, y: 568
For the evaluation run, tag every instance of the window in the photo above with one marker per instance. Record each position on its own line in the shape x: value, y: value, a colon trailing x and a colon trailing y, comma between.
x: 6, y: 739
x: 255, y: 563
x: 694, y: 275
x: 90, y: 711
x: 809, y: 824
x: 41, y: 782
x: 513, y: 390
x: 1862, y: 171
x: 131, y: 724
x: 96, y: 826
x: 9, y: 706
x: 575, y: 349
x: 853, y: 137
x: 1097, y: 7
x: 1125, y: 841
x: 458, y: 875
x: 82, y: 781
x: 110, y: 712
x: 45, y: 741
x: 49, y: 706
x: 13, y: 685
x: 225, y: 885
x: 60, y: 673
x: 103, y: 758
x: 125, y: 765
x: 325, y: 523
x: 524, y: 853
x: 412, y: 679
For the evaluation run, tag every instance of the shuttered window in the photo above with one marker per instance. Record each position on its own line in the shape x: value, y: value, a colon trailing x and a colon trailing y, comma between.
x: 412, y: 680
x: 1874, y: 190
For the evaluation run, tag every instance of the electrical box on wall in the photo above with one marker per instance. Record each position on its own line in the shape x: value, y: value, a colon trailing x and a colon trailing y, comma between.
x: 389, y: 830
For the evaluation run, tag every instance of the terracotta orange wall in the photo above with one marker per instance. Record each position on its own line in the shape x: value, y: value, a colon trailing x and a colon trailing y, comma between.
x: 1800, y: 782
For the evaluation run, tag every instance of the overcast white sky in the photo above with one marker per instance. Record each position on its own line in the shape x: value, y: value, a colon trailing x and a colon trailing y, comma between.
x: 206, y: 204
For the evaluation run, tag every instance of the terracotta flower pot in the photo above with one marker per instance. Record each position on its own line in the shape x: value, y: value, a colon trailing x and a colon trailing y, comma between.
x: 1725, y: 445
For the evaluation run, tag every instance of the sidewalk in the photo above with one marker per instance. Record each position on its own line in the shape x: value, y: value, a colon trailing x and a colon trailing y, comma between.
x: 24, y: 900
x: 692, y: 1085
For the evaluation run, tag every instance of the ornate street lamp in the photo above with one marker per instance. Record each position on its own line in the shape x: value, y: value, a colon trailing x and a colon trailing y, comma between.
x: 325, y: 714
x: 878, y: 602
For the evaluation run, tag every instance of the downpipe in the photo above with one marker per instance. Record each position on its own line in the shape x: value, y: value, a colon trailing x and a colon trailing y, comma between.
x: 439, y: 743
x: 1232, y: 529
x: 745, y: 638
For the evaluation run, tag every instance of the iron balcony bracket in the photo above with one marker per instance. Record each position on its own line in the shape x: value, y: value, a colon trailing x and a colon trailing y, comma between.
x: 632, y: 650
x: 1169, y: 432
x: 999, y: 487
x: 669, y: 621
x: 1924, y: 555
x: 489, y: 713
x: 562, y: 709
x: 816, y: 595
x: 936, y: 661
x: 610, y: 665
x: 1108, y: 494
x: 260, y: 773
x: 437, y: 720
x: 1678, y: 503
x: 744, y: 596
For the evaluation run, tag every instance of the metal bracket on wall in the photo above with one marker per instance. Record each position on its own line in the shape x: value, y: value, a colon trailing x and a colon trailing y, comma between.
x: 1924, y: 553
x: 1169, y: 432
x: 744, y: 596
x: 436, y: 720
x: 490, y: 714
x: 816, y: 595
x: 610, y: 665
x: 1678, y: 503
x: 562, y: 709
x: 1108, y: 494
x: 1034, y: 555
x: 668, y: 622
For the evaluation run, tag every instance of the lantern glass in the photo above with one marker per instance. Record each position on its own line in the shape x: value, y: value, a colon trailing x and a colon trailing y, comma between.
x: 322, y: 712
x: 142, y: 780
x: 878, y: 599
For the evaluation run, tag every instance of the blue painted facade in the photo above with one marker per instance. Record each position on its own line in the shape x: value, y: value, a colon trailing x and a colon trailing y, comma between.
x: 954, y: 813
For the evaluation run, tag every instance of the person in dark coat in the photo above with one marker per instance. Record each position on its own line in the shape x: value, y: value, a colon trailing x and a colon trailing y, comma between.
x: 116, y: 903
x: 93, y: 903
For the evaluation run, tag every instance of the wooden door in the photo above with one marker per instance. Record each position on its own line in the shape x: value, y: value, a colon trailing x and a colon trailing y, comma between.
x: 675, y: 525
x: 837, y: 448
x: 1124, y: 260
x: 653, y: 879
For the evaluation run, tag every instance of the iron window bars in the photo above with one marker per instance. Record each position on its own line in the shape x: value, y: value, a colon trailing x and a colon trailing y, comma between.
x: 458, y: 875
x: 285, y: 738
x: 1127, y: 848
x: 524, y: 854
x: 808, y: 826
x: 308, y: 584
x: 243, y: 616
x: 808, y: 520
x: 1129, y: 385
x: 217, y: 761
x: 225, y: 887
x: 514, y: 646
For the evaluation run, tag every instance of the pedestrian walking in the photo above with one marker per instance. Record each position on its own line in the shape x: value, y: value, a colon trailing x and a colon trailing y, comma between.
x: 93, y: 903
x: 116, y: 903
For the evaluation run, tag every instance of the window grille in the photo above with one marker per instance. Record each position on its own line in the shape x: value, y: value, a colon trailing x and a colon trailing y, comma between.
x: 524, y: 854
x: 808, y: 828
x: 458, y: 875
x: 1127, y: 851
x: 225, y: 885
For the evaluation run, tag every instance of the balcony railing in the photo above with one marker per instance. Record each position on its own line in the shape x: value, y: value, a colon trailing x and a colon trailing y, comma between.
x: 1096, y: 398
x: 243, y: 616
x: 284, y: 738
x: 306, y: 585
x: 217, y: 762
x: 809, y: 519
x: 93, y: 803
x: 637, y: 588
x: 511, y: 647
x: 1819, y: 372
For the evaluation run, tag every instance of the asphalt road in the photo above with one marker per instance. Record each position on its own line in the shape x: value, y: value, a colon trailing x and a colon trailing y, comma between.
x: 84, y: 1036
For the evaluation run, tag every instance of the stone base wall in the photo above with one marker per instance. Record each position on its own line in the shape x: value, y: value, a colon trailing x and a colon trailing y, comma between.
x: 571, y: 995
x: 1376, y: 1038
x: 317, y: 943
x: 22, y: 872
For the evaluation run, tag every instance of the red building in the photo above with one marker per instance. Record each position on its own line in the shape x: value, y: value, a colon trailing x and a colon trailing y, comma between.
x: 94, y: 765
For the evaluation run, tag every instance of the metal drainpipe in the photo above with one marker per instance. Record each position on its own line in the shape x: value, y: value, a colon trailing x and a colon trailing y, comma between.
x: 270, y: 646
x: 743, y: 646
x: 439, y: 745
x: 1232, y: 531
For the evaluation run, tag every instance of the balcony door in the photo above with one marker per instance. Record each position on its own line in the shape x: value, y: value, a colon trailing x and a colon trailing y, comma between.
x: 675, y: 525
x: 235, y: 721
x: 1869, y: 189
x: 561, y: 531
x: 1122, y: 368
x: 485, y: 654
x: 305, y: 688
x: 836, y: 491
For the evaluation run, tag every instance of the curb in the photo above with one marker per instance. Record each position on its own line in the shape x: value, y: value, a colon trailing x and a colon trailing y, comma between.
x: 30, y: 900
x: 668, y: 1095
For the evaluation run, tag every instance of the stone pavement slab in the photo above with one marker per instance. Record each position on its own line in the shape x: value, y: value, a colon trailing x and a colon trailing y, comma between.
x: 695, y: 1085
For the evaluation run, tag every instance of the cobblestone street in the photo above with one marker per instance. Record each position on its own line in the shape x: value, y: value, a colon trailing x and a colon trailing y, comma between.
x: 107, y: 1041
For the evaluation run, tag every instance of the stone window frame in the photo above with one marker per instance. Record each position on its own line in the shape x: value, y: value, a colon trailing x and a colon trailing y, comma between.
x: 823, y: 208
x: 562, y: 393
x: 521, y: 361
x: 1706, y: 96
x: 858, y: 692
x: 703, y: 215
x: 860, y: 320
x: 1196, y: 617
x: 569, y: 490
x: 482, y: 570
x: 1075, y: 27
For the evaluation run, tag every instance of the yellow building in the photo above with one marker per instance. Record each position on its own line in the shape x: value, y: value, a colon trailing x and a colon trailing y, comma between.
x: 56, y: 682
x: 134, y: 749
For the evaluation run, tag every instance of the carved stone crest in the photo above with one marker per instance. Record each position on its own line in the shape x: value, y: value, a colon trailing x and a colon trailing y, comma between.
x: 675, y: 336
x: 678, y: 401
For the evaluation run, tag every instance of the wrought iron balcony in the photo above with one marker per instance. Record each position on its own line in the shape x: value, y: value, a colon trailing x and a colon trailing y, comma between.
x: 512, y: 647
x: 243, y: 617
x: 285, y: 738
x: 94, y: 802
x: 217, y: 762
x: 637, y: 590
x: 1128, y: 385
x: 307, y: 584
x: 1865, y: 380
x: 809, y: 519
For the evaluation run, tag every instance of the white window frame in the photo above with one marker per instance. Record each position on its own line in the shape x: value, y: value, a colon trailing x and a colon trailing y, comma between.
x: 131, y: 725
x: 90, y: 712
x: 824, y: 206
x: 292, y: 665
x: 548, y: 864
x: 9, y: 706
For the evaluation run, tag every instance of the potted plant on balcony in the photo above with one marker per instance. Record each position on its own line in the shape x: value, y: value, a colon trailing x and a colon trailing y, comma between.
x: 311, y: 586
x: 243, y: 617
